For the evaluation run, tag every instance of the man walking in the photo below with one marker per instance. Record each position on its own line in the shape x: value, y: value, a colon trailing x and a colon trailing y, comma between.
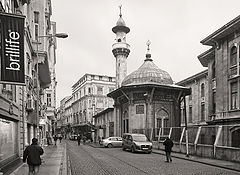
x: 168, y: 143
x: 32, y: 154
x: 79, y: 139
x: 55, y: 139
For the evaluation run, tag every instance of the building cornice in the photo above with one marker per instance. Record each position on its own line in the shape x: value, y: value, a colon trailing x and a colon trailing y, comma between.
x: 206, y: 56
x: 193, y: 78
x: 225, y: 30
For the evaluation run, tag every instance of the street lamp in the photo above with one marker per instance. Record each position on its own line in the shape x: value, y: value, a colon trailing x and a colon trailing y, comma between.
x: 57, y: 35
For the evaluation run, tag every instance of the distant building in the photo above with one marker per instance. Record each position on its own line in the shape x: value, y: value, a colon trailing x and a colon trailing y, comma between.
x: 89, y: 97
x: 197, y: 102
x: 104, y: 123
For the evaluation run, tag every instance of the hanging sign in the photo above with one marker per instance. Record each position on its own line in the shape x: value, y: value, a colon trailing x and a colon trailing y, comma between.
x: 12, y: 49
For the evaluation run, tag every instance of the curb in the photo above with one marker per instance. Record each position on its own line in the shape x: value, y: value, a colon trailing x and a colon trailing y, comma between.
x: 63, y: 165
x: 16, y: 170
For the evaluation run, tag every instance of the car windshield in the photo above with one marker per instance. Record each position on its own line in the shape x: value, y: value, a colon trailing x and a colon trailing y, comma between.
x: 140, y: 138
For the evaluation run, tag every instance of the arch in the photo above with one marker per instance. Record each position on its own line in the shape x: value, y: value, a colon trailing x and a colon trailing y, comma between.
x: 235, y: 137
x: 162, y: 117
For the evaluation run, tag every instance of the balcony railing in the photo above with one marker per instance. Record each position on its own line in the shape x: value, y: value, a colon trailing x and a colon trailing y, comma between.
x: 120, y: 45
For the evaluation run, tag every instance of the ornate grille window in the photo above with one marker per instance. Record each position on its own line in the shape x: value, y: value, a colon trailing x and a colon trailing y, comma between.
x: 139, y: 109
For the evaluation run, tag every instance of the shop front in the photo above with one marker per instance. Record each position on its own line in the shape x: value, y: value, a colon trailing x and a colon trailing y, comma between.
x: 9, y: 145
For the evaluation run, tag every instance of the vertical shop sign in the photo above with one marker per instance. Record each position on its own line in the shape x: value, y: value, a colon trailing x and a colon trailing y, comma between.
x: 12, y: 48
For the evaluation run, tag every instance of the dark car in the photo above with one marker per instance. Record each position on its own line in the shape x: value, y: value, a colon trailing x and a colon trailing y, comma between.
x: 136, y: 143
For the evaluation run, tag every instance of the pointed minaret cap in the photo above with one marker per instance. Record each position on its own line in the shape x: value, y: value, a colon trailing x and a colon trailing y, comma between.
x: 120, y: 25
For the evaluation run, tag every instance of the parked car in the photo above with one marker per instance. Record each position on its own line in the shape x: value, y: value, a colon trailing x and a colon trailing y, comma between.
x: 73, y: 137
x: 136, y: 143
x: 112, y: 142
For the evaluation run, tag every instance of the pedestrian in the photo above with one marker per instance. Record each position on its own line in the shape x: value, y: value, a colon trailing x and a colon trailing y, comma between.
x: 79, y: 139
x: 84, y: 139
x: 55, y: 139
x: 168, y: 143
x: 60, y: 138
x: 32, y: 154
x: 99, y: 140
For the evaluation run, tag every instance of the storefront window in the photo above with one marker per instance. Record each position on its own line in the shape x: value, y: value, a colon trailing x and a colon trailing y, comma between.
x: 8, y: 139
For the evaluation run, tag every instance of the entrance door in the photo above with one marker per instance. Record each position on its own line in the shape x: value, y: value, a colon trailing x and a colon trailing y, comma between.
x: 162, y: 122
x: 236, y: 138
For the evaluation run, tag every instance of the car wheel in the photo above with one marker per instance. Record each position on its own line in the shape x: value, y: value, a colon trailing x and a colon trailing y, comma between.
x: 123, y: 148
x: 132, y: 149
x: 149, y: 152
x: 109, y: 145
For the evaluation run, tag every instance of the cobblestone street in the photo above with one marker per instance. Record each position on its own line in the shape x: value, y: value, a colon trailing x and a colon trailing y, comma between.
x: 88, y: 160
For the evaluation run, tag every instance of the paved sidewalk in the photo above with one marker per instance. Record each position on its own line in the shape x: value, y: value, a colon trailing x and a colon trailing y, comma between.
x: 214, y: 162
x: 54, y: 161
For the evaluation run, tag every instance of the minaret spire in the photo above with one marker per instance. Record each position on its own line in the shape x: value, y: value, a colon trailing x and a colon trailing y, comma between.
x: 120, y: 7
x: 120, y: 49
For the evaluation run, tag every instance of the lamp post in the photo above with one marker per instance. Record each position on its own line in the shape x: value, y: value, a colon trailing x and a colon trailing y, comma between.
x: 57, y: 35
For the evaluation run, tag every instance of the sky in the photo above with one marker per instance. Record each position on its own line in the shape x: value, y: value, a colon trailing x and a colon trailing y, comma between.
x: 175, y: 29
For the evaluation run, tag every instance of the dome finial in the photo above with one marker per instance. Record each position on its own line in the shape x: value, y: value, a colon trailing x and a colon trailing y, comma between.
x: 120, y: 7
x: 148, y: 55
x: 148, y: 44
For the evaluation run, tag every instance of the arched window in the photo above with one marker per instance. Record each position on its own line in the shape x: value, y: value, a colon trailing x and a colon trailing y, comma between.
x: 233, y: 56
x: 236, y: 138
x: 162, y: 120
x: 202, y: 90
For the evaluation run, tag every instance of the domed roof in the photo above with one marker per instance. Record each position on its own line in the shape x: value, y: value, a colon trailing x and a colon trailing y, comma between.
x: 148, y: 72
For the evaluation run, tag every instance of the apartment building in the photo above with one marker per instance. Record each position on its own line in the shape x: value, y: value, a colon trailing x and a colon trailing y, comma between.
x: 89, y: 95
x: 23, y: 106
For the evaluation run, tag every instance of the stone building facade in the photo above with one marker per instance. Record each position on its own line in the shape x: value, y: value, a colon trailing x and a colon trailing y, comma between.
x: 197, y: 102
x: 222, y: 61
x: 19, y: 119
x: 89, y: 97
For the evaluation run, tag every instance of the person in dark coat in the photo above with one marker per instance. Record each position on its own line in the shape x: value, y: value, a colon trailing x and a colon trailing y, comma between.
x: 55, y: 139
x: 168, y: 143
x: 32, y: 154
x: 79, y: 139
x: 60, y: 138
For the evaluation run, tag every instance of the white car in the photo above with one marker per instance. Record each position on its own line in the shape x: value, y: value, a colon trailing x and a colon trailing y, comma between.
x: 112, y: 142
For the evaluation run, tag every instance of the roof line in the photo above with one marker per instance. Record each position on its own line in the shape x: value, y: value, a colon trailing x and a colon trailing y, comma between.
x: 217, y: 32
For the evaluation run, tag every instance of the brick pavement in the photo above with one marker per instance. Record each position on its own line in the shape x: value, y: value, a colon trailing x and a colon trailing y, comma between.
x: 55, y: 161
x: 214, y: 162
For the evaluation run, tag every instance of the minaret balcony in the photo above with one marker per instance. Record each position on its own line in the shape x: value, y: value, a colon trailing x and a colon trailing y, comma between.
x: 120, y: 45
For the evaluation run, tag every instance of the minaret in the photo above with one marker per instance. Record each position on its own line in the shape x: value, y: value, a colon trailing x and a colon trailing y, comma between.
x: 120, y: 49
